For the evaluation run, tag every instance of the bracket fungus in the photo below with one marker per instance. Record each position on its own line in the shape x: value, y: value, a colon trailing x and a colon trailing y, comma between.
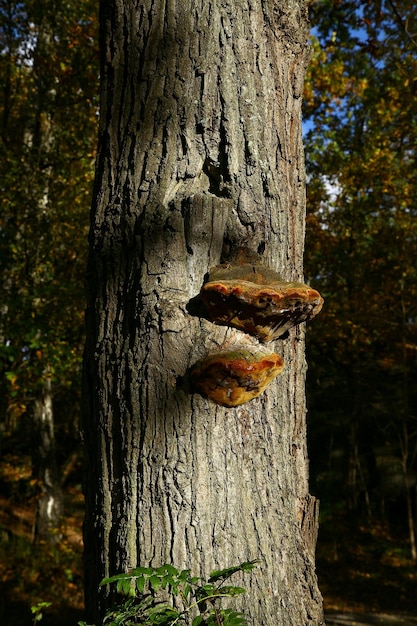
x: 254, y: 299
x: 232, y: 378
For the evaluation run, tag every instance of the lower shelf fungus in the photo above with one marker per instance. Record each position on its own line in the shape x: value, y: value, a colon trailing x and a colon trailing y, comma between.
x: 254, y: 299
x: 235, y: 377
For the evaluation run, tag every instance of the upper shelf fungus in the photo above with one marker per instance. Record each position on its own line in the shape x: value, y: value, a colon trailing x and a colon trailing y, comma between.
x: 232, y: 378
x: 254, y: 299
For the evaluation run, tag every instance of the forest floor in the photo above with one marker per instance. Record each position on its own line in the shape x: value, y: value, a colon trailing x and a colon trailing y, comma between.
x: 366, y: 568
x: 365, y: 573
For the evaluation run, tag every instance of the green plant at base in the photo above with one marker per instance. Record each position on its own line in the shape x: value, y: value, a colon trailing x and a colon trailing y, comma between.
x: 200, y: 598
x: 37, y: 611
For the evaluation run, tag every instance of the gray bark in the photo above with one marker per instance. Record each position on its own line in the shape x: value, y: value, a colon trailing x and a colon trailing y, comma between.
x: 49, y: 506
x: 199, y: 152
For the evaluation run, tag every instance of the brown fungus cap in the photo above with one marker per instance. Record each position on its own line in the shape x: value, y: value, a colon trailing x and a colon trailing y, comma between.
x: 257, y: 301
x: 232, y: 378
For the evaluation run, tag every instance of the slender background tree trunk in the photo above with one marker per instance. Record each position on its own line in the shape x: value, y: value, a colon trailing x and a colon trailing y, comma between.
x: 40, y: 139
x: 49, y: 508
x: 199, y: 152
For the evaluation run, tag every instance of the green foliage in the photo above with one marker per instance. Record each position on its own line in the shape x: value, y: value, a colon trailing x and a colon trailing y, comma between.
x: 194, y: 601
x: 48, y: 119
x: 361, y: 242
x: 37, y: 611
x: 48, y: 133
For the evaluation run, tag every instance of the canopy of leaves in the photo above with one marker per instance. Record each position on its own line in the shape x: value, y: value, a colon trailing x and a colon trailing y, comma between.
x: 361, y: 139
x: 48, y: 110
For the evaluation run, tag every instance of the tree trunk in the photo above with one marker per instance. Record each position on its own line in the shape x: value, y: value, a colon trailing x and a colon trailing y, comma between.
x: 199, y: 152
x: 40, y: 139
x: 49, y: 507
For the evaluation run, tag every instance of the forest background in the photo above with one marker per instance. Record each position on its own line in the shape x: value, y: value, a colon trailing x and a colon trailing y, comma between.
x: 361, y: 250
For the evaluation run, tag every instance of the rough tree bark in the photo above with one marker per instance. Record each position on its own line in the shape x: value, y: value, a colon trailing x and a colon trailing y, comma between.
x: 199, y: 152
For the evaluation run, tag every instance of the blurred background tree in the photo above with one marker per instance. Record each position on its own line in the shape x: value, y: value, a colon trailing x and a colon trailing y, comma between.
x: 48, y: 110
x: 361, y: 250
